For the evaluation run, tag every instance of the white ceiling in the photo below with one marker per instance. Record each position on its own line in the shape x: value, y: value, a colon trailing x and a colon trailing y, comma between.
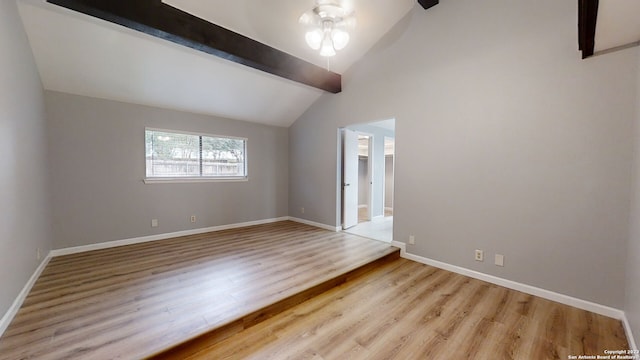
x: 617, y: 24
x: 385, y: 124
x: 82, y: 55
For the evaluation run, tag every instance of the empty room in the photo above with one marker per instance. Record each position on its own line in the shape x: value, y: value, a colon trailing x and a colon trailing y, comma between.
x: 319, y: 179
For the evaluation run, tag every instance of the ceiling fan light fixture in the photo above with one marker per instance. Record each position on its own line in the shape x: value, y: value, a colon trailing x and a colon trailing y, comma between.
x: 314, y: 39
x: 328, y: 24
x: 327, y: 49
x: 340, y: 38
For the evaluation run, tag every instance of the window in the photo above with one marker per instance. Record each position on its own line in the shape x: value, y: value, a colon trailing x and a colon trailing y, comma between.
x: 177, y: 155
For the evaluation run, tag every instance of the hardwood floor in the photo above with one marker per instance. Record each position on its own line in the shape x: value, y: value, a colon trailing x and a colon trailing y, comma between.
x: 406, y: 310
x: 135, y: 301
x: 238, y: 294
x: 363, y: 214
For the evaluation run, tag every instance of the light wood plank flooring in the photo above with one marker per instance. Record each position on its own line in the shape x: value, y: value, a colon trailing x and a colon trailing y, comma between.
x: 363, y: 214
x: 134, y: 301
x: 406, y: 310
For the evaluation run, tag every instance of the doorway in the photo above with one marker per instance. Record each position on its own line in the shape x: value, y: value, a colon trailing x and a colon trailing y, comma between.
x: 365, y: 180
x: 368, y: 157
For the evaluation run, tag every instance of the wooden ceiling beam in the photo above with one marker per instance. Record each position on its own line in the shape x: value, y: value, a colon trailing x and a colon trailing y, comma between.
x: 427, y: 4
x: 158, y: 19
x: 587, y: 19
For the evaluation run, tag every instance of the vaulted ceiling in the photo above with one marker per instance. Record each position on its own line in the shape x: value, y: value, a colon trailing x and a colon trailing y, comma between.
x: 81, y: 54
x: 84, y: 55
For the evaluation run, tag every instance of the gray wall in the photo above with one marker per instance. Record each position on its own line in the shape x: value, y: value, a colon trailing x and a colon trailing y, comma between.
x: 25, y: 211
x: 632, y: 302
x: 363, y: 171
x: 506, y: 141
x: 96, y: 152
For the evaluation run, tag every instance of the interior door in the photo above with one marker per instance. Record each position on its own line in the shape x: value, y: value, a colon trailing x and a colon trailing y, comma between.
x: 350, y: 179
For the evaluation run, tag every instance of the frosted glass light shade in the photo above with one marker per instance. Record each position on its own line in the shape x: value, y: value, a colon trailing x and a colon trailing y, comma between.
x: 327, y: 49
x: 314, y: 39
x: 340, y: 38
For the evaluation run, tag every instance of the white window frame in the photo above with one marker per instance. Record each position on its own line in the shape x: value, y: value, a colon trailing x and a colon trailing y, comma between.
x: 194, y: 179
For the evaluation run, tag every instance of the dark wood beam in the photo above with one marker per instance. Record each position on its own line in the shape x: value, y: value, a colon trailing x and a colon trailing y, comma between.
x: 158, y: 19
x: 587, y: 19
x: 427, y: 4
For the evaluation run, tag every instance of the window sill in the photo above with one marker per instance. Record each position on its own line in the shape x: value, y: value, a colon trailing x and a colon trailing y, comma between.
x: 178, y: 180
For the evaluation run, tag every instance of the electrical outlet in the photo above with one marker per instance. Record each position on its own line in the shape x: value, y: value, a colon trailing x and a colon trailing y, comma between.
x: 479, y: 255
x: 193, y: 218
x: 39, y: 254
x: 499, y: 261
x: 154, y: 222
x: 301, y: 210
x: 412, y: 240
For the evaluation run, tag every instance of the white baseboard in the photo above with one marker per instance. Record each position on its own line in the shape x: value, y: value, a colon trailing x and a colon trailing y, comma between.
x: 401, y: 245
x: 143, y: 239
x: 17, y: 303
x: 629, y: 332
x: 316, y: 224
x: 528, y: 289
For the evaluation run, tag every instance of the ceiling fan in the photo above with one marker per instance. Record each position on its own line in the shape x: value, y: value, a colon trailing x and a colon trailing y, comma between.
x: 328, y: 25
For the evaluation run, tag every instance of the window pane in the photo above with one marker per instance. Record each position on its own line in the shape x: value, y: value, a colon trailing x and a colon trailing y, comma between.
x: 172, y: 154
x: 223, y: 157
